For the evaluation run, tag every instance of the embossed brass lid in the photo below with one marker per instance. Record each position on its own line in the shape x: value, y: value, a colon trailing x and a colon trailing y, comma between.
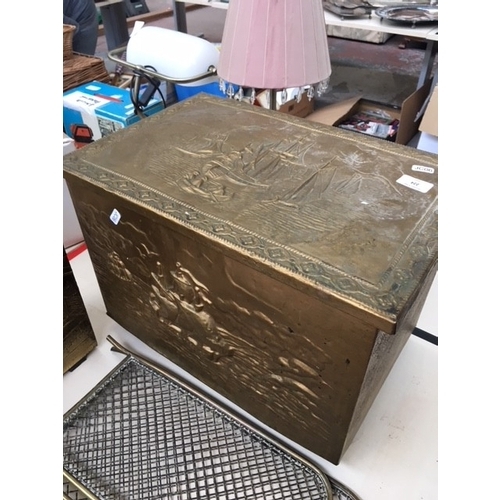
x: 350, y: 217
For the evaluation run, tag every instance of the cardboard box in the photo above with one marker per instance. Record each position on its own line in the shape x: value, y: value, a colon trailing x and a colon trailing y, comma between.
x: 407, y: 114
x: 102, y: 107
x: 302, y: 108
x: 429, y: 123
x: 78, y: 335
x: 428, y: 140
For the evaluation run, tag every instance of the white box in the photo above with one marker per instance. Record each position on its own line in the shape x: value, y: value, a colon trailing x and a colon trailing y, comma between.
x: 428, y: 140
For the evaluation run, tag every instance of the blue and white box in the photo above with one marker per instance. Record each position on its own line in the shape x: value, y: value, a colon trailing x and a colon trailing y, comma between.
x: 102, y: 107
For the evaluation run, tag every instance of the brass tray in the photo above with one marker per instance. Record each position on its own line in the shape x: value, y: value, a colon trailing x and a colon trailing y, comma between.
x: 143, y: 433
x: 409, y: 14
x: 349, y: 8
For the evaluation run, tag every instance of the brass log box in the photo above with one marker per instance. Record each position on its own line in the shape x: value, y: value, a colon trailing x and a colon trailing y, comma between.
x: 282, y: 262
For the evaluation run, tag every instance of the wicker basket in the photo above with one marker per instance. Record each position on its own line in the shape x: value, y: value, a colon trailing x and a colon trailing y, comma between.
x: 68, y: 31
x: 81, y: 69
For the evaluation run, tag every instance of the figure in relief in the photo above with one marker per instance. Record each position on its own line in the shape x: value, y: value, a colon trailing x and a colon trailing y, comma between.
x: 118, y: 267
x: 181, y: 304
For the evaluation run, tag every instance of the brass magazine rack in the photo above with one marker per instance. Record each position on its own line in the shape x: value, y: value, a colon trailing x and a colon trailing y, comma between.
x: 143, y: 433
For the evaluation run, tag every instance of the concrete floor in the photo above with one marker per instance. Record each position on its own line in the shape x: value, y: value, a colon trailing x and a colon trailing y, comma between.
x: 381, y: 72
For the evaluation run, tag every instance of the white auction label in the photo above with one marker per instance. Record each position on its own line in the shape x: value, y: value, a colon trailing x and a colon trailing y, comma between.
x: 417, y: 184
x: 79, y: 100
x: 115, y: 216
x: 422, y: 168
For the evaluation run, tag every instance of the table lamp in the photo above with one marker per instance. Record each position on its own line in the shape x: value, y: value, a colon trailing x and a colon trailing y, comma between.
x: 274, y: 45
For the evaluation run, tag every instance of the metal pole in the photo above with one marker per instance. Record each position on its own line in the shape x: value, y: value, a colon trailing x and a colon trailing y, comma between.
x: 179, y: 12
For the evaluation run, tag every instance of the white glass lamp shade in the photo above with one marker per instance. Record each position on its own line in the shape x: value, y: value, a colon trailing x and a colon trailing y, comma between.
x: 173, y: 53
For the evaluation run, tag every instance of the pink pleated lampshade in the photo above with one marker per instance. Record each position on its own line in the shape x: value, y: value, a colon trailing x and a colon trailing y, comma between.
x: 274, y: 44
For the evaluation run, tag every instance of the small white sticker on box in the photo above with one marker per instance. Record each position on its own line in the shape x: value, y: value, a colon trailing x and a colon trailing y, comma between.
x: 416, y: 184
x: 78, y: 100
x: 115, y: 216
x: 422, y: 168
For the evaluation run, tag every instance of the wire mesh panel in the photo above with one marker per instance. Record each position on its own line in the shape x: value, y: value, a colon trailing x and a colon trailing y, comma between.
x: 140, y: 435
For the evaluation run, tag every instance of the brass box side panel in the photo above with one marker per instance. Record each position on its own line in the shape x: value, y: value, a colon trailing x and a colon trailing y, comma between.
x: 322, y: 204
x: 385, y: 353
x: 289, y: 359
x: 78, y: 335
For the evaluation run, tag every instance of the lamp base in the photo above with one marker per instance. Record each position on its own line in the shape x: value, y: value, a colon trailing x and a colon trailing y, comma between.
x: 238, y: 93
x: 272, y: 100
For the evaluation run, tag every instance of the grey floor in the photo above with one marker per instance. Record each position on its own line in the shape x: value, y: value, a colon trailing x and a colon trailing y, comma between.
x: 385, y: 72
